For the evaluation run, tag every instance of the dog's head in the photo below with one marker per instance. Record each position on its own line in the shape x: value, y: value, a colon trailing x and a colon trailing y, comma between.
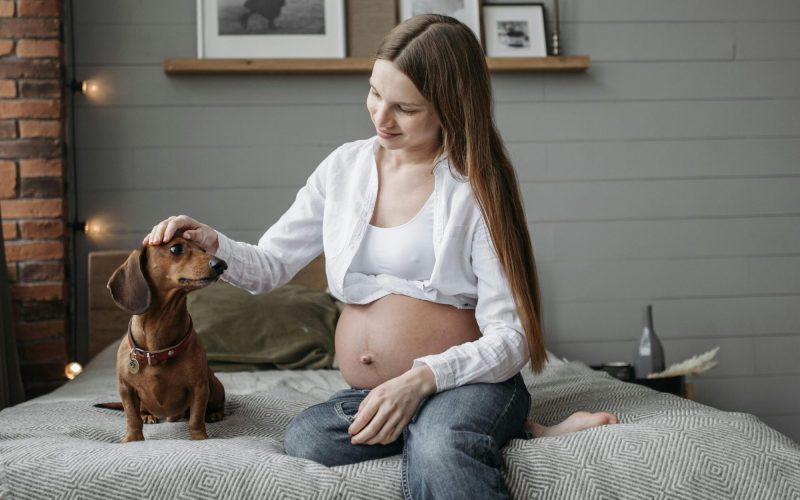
x: 177, y: 265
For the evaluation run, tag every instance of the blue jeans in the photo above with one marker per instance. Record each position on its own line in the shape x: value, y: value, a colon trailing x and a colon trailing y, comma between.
x: 451, y: 447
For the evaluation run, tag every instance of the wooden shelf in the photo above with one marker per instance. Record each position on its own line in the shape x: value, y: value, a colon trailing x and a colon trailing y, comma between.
x: 553, y: 63
x: 353, y: 65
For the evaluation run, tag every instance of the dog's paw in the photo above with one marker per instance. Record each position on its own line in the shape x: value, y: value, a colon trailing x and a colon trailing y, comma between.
x: 131, y: 436
x: 198, y: 435
x: 149, y: 419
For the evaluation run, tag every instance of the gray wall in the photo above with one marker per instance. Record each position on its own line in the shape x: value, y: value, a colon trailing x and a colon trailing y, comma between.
x: 666, y: 174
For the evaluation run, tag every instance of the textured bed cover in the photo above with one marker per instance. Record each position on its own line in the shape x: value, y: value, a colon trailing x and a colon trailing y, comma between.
x: 61, y: 446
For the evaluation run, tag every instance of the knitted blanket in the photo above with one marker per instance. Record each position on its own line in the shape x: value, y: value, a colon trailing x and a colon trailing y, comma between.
x: 664, y: 447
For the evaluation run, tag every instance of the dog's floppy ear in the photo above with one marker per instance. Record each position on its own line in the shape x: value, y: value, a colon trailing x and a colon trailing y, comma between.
x: 128, y: 285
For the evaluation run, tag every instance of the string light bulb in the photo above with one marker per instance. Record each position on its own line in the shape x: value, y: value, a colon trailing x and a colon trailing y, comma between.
x: 92, y: 228
x: 90, y: 87
x: 73, y: 369
x: 85, y: 87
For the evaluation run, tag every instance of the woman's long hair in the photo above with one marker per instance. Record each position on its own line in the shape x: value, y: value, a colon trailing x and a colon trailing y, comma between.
x: 445, y: 61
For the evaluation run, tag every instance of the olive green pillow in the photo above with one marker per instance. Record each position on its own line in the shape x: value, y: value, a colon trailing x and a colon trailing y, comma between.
x: 290, y: 327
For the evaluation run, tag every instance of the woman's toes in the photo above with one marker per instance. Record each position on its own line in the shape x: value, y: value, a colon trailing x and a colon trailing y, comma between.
x: 588, y: 420
x: 612, y: 419
x: 578, y: 421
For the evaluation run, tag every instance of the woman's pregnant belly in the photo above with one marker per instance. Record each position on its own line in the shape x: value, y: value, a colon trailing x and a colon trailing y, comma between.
x: 379, y: 341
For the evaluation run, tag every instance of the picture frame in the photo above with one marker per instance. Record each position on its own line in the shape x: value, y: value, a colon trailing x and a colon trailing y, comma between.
x: 515, y: 30
x: 466, y: 11
x: 253, y: 29
x: 368, y: 21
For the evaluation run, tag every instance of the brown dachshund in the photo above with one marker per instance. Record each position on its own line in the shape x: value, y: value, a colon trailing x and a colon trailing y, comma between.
x: 162, y: 368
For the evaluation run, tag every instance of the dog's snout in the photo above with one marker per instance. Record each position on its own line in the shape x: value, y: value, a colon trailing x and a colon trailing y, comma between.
x: 217, y: 265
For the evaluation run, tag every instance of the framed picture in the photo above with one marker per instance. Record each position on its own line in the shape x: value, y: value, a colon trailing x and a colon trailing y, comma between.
x: 249, y: 29
x: 368, y: 21
x: 514, y: 30
x: 466, y: 11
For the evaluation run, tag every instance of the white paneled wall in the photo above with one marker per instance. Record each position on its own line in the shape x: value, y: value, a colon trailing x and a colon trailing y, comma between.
x: 666, y: 174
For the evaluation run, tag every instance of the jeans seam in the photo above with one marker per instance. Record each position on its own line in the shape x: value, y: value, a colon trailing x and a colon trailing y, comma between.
x: 404, y: 472
x: 505, y: 409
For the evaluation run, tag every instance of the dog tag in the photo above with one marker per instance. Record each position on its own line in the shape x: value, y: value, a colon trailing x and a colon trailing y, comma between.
x: 133, y: 366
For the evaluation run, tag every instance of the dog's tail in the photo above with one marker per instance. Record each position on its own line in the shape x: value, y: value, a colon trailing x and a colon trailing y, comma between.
x: 117, y: 405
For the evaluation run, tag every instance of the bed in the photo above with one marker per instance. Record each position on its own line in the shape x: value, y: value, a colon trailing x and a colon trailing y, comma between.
x: 61, y: 445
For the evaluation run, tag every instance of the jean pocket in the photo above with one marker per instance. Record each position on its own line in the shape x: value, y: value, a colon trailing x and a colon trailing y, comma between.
x: 347, y: 410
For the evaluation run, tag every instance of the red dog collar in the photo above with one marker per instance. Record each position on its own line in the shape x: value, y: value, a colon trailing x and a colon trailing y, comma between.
x: 160, y: 356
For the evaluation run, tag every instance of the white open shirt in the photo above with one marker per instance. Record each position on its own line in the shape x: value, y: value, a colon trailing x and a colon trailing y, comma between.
x: 331, y: 214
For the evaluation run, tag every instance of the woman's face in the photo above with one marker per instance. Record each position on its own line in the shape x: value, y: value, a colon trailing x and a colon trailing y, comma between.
x: 403, y: 119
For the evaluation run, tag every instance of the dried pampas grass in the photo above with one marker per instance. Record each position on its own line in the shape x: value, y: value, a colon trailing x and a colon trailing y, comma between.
x: 692, y: 366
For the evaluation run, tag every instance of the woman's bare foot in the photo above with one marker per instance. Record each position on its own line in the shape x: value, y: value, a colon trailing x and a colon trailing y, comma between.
x: 578, y: 421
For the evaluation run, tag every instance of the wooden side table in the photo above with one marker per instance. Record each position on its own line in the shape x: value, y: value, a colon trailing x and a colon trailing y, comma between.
x: 672, y: 385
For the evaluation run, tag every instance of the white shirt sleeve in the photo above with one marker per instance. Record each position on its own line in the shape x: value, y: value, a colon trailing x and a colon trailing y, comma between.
x: 288, y: 246
x: 502, y: 350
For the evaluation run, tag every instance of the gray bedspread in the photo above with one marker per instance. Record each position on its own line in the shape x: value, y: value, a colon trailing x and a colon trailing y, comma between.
x: 60, y: 446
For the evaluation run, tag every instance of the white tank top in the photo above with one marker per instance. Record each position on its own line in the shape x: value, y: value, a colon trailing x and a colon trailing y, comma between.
x: 404, y: 251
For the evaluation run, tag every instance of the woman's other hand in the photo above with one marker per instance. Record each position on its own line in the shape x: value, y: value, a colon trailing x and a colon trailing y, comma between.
x: 386, y: 411
x: 185, y: 226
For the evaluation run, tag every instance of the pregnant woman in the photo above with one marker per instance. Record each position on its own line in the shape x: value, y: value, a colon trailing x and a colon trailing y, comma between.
x: 425, y: 240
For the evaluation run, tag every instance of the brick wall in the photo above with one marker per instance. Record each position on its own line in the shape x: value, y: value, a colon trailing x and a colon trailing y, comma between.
x: 32, y: 185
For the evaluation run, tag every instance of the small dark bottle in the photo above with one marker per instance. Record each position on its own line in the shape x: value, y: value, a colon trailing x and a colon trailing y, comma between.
x: 649, y: 356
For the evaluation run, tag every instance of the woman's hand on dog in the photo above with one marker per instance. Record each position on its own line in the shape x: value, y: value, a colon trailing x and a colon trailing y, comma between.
x: 191, y: 229
x: 388, y: 408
